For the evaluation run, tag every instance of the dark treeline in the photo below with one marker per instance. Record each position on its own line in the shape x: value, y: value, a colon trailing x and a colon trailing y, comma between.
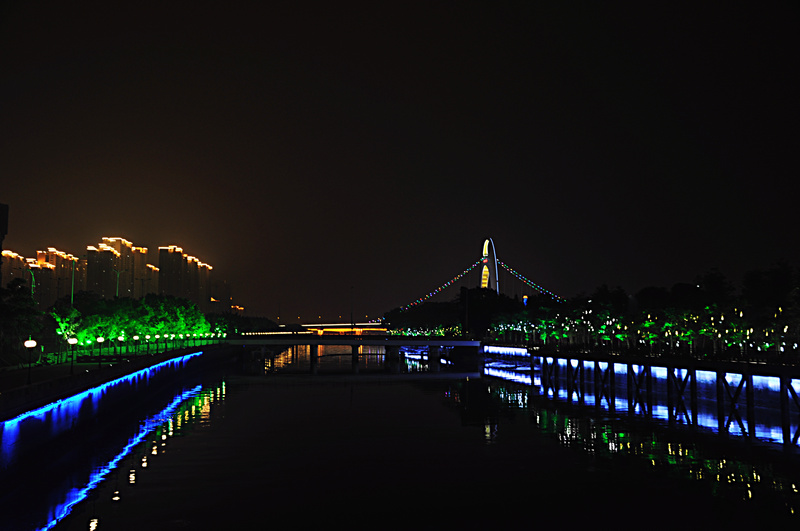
x: 708, y: 317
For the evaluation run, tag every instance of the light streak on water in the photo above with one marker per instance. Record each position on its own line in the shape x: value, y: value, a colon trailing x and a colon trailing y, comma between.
x: 63, y: 411
x: 61, y: 415
x: 77, y: 495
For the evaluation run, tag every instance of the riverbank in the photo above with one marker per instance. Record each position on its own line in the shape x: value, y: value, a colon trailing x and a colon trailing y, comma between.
x: 23, y: 389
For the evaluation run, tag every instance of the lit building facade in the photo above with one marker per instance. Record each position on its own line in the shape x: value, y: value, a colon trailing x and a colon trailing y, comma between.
x: 68, y: 276
x: 125, y: 264
x: 13, y: 266
x: 116, y: 268
x: 102, y: 270
x: 171, y: 270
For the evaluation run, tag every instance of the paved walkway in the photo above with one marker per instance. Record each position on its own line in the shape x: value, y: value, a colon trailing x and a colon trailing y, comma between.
x: 16, y: 377
x: 23, y: 388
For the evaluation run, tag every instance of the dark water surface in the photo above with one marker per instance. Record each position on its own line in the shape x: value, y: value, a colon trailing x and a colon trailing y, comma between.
x: 394, y: 454
x: 256, y: 451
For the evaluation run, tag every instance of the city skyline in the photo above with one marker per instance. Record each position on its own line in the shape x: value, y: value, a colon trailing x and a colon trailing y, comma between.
x: 116, y: 268
x: 352, y: 158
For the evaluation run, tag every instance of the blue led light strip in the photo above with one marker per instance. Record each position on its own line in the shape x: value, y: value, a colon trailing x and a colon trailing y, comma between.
x: 100, y: 388
x: 78, y: 495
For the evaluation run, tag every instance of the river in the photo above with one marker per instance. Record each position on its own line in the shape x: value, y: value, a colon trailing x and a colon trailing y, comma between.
x: 254, y: 445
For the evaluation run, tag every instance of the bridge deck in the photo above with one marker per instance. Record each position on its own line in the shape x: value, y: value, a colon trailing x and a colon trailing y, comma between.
x: 386, y: 341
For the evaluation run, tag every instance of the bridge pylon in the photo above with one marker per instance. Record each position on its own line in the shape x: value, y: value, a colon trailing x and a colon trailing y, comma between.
x: 488, y: 279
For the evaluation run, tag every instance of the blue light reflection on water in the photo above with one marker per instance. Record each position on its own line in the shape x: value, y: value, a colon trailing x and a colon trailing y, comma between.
x: 28, y: 431
x: 62, y: 412
x: 767, y: 427
x: 77, y: 495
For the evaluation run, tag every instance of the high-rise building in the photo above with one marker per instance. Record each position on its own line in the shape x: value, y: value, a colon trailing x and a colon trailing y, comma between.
x: 204, y: 287
x: 191, y: 278
x: 67, y: 277
x: 13, y: 266
x: 44, y: 282
x: 3, y: 227
x: 125, y: 264
x: 171, y: 271
x: 102, y: 271
x: 140, y: 272
x: 151, y: 279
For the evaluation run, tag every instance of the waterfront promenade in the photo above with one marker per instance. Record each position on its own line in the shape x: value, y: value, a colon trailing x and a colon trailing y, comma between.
x: 24, y: 388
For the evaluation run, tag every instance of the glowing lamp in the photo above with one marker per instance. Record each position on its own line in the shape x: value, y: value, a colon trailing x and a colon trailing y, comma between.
x: 30, y: 343
x: 72, y: 341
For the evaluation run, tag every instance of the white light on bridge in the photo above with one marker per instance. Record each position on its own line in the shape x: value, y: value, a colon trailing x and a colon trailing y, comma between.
x: 506, y: 351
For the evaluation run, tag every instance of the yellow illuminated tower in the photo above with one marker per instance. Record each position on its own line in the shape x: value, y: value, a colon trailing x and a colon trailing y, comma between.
x: 487, y: 279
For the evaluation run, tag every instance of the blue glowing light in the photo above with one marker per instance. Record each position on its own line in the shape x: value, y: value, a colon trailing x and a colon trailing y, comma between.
x: 507, y: 375
x: 64, y: 410
x: 766, y: 399
x: 79, y: 494
x: 69, y: 401
x: 506, y: 351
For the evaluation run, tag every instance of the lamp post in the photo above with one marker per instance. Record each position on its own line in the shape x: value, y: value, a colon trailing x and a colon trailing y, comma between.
x: 135, y: 345
x: 30, y: 344
x: 33, y: 284
x: 72, y: 341
x: 100, y: 349
x: 121, y: 339
x: 117, y: 272
x: 147, y: 338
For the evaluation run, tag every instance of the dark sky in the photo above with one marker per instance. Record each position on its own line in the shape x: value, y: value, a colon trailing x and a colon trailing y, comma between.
x: 305, y: 150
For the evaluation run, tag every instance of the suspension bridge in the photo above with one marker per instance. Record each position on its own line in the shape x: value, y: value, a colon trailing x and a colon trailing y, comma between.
x: 492, y: 273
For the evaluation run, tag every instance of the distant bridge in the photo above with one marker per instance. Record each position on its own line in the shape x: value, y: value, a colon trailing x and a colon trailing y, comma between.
x: 489, y: 277
x: 462, y: 352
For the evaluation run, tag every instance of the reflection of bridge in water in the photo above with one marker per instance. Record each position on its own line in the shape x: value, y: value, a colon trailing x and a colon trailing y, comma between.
x: 753, y: 400
x: 461, y: 353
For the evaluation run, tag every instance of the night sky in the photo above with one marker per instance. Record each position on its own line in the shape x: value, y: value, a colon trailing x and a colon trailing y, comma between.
x: 313, y: 152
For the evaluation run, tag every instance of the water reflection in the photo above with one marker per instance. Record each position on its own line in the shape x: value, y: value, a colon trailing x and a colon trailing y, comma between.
x: 61, y: 415
x: 734, y: 405
x: 331, y: 358
x: 190, y: 408
x: 38, y: 493
x: 727, y: 467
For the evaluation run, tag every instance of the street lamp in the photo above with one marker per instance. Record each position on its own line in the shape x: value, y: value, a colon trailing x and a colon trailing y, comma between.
x: 72, y: 341
x: 33, y: 287
x: 100, y: 349
x: 121, y: 339
x: 29, y: 344
x: 117, y: 272
x: 135, y: 345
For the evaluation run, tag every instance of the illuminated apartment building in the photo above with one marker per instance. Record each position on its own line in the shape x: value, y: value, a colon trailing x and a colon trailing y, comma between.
x: 13, y: 266
x: 151, y: 279
x: 68, y: 271
x: 171, y: 271
x: 185, y: 276
x: 102, y: 270
x: 141, y: 274
x: 125, y: 264
x: 43, y: 277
